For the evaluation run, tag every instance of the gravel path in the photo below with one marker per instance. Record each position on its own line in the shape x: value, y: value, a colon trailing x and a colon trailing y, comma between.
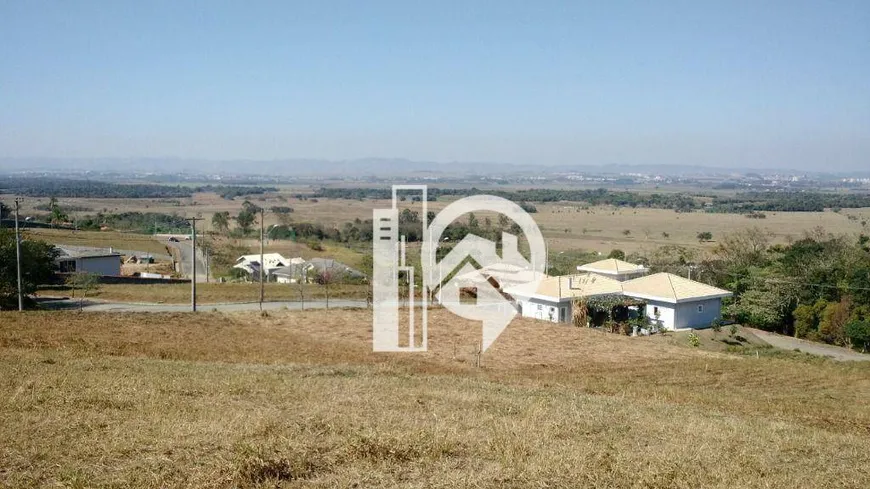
x: 788, y: 343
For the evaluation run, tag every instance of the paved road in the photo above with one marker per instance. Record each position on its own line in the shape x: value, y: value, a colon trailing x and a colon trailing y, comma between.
x: 789, y: 343
x: 184, y: 253
x: 101, y: 306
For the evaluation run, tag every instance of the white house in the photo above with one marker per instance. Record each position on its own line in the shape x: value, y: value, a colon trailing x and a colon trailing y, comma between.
x: 677, y: 302
x: 292, y: 273
x: 251, y: 264
x: 615, y: 269
x: 672, y: 301
x: 81, y: 260
x: 299, y: 270
x: 552, y: 298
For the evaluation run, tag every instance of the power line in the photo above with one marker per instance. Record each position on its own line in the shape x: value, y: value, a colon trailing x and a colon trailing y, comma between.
x: 193, y: 261
x: 262, y: 265
x: 18, y: 256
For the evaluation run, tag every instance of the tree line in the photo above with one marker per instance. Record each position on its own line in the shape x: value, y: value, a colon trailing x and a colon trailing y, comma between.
x: 816, y: 287
x: 750, y: 203
x: 590, y: 197
x: 71, y: 188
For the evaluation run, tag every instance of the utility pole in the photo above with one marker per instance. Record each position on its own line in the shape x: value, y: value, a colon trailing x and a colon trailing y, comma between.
x: 18, y: 256
x: 193, y: 261
x: 262, y: 265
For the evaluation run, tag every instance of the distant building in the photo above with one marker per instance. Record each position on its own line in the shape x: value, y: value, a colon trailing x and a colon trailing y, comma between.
x: 100, y: 262
x: 316, y: 266
x: 251, y: 264
x: 292, y: 273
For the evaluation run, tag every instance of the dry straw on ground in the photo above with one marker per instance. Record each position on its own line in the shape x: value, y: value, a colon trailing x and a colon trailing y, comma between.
x: 297, y: 399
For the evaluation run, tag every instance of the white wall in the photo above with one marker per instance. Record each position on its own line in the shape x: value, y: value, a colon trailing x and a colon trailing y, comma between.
x: 667, y: 314
x: 544, y: 310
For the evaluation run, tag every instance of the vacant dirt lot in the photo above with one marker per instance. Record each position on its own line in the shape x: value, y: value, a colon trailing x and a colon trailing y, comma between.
x: 298, y: 399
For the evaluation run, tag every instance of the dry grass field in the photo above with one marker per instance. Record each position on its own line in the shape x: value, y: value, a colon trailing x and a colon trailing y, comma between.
x: 297, y: 399
x: 212, y: 293
x: 100, y: 239
x: 565, y: 225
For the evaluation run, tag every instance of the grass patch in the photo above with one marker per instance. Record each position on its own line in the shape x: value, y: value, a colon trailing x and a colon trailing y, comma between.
x: 214, y: 293
x: 298, y: 398
x: 100, y: 239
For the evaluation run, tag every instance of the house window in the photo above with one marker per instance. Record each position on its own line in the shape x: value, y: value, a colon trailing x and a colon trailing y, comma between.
x: 68, y: 266
x: 700, y: 307
x: 540, y: 307
x: 656, y: 310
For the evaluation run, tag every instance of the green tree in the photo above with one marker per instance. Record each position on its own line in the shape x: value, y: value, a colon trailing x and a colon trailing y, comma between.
x: 472, y: 221
x: 705, y: 236
x: 767, y: 303
x: 408, y: 216
x: 84, y: 283
x: 832, y: 326
x: 806, y: 319
x: 220, y: 221
x: 736, y: 254
x: 247, y: 216
x: 617, y: 253
x: 245, y: 221
x: 37, y: 267
x: 858, y: 333
x: 58, y: 216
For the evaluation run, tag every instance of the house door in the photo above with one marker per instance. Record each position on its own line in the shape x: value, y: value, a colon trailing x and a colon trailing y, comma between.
x: 563, y: 314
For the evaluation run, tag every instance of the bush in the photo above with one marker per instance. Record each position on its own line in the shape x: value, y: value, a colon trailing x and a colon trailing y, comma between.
x: 732, y: 330
x: 315, y: 245
x: 529, y: 208
x: 694, y: 340
x: 858, y: 333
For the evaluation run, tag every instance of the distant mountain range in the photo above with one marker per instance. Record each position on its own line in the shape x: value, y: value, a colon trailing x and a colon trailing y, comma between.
x: 380, y: 167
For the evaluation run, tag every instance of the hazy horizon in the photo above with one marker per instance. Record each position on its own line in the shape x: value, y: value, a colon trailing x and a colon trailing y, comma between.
x: 780, y: 85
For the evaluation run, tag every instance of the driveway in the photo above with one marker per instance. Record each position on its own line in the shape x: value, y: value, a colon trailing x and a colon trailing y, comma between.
x: 789, y: 343
x: 185, y: 250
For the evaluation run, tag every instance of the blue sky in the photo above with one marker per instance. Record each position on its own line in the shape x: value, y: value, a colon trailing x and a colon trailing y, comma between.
x: 764, y: 83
